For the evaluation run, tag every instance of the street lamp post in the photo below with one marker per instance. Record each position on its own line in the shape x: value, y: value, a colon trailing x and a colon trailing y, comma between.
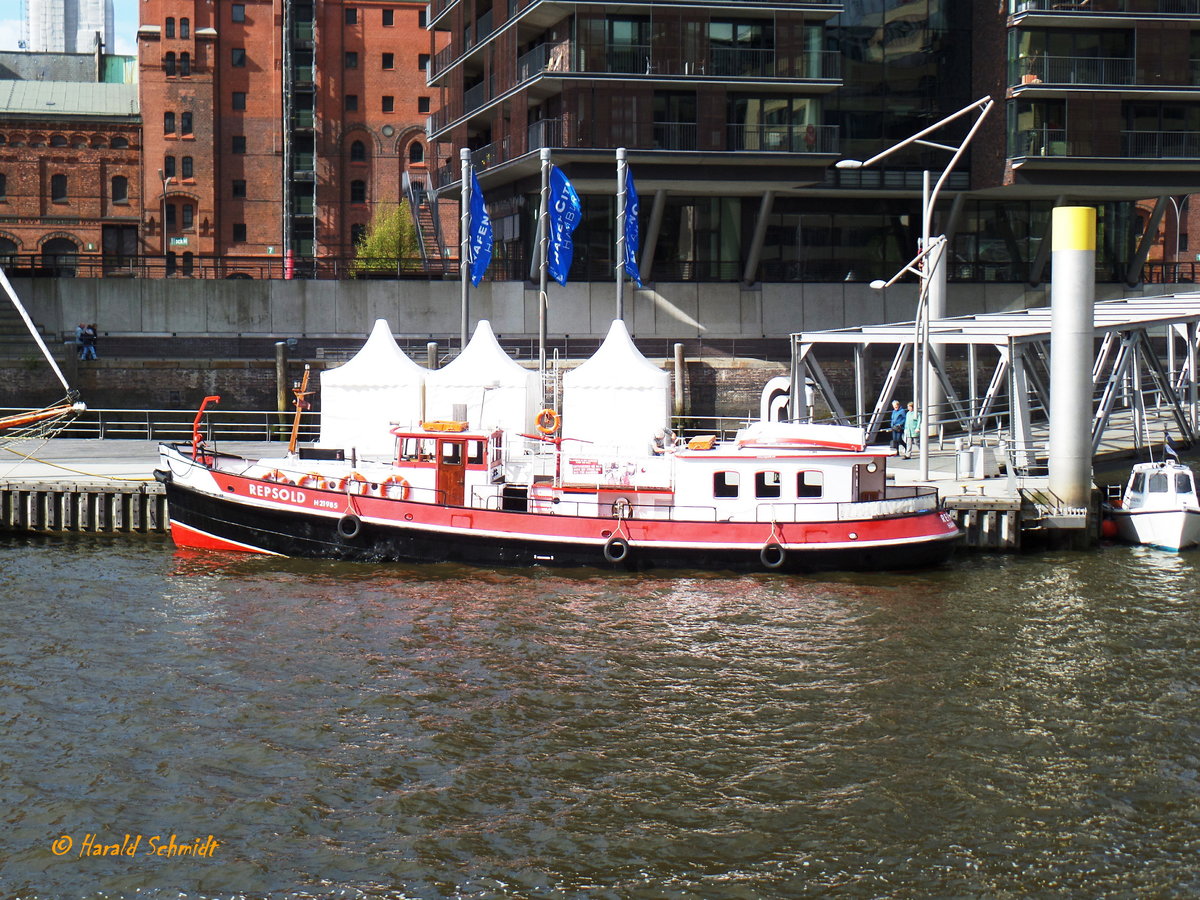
x: 166, y: 181
x: 929, y: 264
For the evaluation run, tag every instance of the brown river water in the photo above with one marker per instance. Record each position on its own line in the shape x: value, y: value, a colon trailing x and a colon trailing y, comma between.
x: 1001, y: 727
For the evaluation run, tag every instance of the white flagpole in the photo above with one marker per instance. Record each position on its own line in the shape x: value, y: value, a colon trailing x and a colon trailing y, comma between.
x: 464, y: 250
x: 621, y: 248
x: 544, y: 234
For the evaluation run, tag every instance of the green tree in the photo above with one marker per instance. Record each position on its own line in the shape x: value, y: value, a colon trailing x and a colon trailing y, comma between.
x: 390, y: 243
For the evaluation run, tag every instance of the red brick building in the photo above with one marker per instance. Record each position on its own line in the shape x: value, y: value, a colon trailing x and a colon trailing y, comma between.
x: 273, y: 127
x: 70, y: 183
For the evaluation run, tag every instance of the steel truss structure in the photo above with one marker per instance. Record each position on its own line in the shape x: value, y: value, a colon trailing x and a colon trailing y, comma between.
x: 1144, y: 370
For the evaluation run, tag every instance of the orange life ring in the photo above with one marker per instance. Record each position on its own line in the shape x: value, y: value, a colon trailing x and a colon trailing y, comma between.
x: 354, y: 483
x: 547, y: 421
x: 387, y: 483
x: 277, y: 476
x: 310, y: 479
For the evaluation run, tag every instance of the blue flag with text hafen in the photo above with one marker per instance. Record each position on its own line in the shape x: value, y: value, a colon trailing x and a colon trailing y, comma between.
x: 564, y: 212
x: 479, y: 231
x: 631, y: 229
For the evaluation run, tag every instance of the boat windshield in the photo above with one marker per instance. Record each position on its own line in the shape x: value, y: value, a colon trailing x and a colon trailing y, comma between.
x: 1158, y: 483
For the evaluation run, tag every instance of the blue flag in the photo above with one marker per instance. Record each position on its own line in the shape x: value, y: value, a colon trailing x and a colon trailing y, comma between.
x: 631, y: 229
x: 479, y: 231
x: 564, y: 213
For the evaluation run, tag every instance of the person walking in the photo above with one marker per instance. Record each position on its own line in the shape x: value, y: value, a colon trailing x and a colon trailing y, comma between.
x: 912, y: 429
x: 898, y: 416
x: 79, y: 339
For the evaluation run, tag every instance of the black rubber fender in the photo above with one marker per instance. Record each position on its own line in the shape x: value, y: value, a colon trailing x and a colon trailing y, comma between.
x: 616, y: 549
x: 772, y: 555
x: 349, y: 526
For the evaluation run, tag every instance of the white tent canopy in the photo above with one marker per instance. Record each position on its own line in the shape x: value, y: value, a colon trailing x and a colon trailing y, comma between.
x: 494, y: 388
x: 618, y: 398
x: 363, y: 399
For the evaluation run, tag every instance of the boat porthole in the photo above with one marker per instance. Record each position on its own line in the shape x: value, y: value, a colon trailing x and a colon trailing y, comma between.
x: 349, y: 526
x: 871, y: 467
x: 616, y: 550
x: 408, y: 517
x: 853, y: 535
x: 772, y: 555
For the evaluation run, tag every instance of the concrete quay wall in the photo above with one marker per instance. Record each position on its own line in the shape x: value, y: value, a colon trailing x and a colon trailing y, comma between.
x: 219, y: 308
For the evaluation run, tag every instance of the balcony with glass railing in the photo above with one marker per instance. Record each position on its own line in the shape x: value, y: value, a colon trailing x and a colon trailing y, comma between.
x: 1072, y: 70
x: 1160, y: 144
x: 1040, y: 142
x: 1105, y: 7
x: 783, y: 138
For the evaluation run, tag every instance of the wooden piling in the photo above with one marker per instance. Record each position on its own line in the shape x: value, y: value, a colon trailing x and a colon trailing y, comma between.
x: 59, y: 507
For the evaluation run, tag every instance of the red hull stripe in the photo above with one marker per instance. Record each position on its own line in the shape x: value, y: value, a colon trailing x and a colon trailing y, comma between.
x: 195, y: 539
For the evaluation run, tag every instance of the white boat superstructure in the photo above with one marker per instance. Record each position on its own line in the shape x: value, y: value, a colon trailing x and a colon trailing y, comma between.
x: 1159, y: 507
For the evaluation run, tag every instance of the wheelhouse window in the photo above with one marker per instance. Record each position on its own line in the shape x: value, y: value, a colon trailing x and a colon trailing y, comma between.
x: 1158, y: 483
x: 767, y: 485
x: 726, y: 484
x: 810, y: 484
x: 1183, y: 483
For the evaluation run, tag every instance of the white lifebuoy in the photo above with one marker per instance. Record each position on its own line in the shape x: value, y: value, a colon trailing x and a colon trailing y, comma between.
x: 310, y: 479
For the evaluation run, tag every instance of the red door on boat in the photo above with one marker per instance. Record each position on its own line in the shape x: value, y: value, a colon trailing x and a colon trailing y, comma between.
x: 451, y: 470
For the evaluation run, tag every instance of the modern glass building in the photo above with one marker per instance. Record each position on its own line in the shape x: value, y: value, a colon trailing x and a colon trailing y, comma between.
x: 734, y: 114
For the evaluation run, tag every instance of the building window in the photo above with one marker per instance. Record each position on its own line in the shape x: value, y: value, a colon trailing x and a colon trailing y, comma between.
x: 358, y: 152
x: 3, y: 186
x: 58, y: 140
x: 170, y: 215
x: 423, y: 61
x: 358, y: 191
x: 119, y: 143
x: 351, y: 15
x: 237, y: 57
x: 170, y: 26
x: 422, y: 104
x: 185, y: 64
x: 185, y: 29
x: 237, y: 12
x: 187, y: 167
x: 189, y: 262
x: 239, y: 187
x: 239, y: 99
x: 185, y: 123
x: 389, y: 18
x: 168, y: 123
x: 357, y: 233
x: 189, y: 213
x: 416, y: 152
x: 351, y: 103
x: 239, y: 232
x: 120, y: 189
x: 168, y: 167
x: 420, y: 18
x: 351, y: 60
x: 168, y: 64
x: 239, y: 143
x: 389, y: 103
x: 389, y: 60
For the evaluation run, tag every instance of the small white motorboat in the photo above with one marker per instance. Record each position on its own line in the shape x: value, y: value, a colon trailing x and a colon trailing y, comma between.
x: 1159, y: 506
